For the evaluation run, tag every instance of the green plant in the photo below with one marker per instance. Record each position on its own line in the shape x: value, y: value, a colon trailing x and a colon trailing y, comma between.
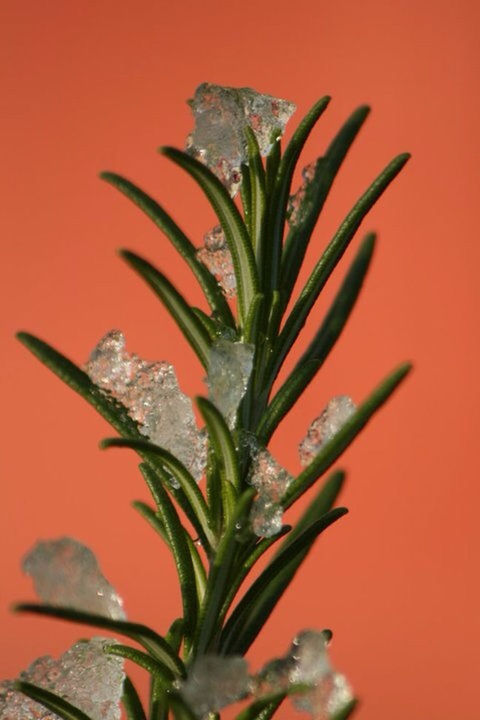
x: 267, y: 258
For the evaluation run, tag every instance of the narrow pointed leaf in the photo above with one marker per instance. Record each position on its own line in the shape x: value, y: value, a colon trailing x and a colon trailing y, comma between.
x: 271, y: 253
x: 321, y: 345
x: 180, y: 473
x: 174, y: 635
x: 131, y: 701
x: 145, y: 636
x: 258, y: 602
x: 317, y: 509
x: 208, y: 323
x: 252, y: 323
x: 180, y: 498
x: 52, y: 702
x: 232, y: 223
x: 214, y: 489
x: 247, y: 564
x: 179, y: 240
x: 141, y: 659
x: 115, y: 413
x: 198, y: 568
x: 219, y: 575
x: 193, y: 330
x: 273, y: 162
x: 222, y: 441
x: 246, y: 195
x: 152, y: 518
x: 328, y: 167
x: 178, y: 544
x: 257, y: 186
x: 320, y: 505
x: 328, y: 261
x: 342, y: 439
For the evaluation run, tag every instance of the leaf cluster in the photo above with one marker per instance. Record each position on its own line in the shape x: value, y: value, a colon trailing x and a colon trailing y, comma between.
x: 211, y: 542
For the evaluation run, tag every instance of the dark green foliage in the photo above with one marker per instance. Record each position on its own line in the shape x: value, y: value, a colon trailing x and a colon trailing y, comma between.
x: 267, y: 260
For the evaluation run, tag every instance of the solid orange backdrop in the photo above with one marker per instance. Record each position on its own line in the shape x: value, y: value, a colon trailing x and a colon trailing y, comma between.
x: 99, y: 85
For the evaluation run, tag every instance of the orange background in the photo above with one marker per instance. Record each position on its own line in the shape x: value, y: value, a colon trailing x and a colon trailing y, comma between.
x: 98, y: 85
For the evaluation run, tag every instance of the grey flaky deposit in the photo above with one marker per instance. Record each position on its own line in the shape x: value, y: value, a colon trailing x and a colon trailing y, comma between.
x: 300, y: 203
x: 304, y: 672
x: 150, y: 392
x: 221, y: 116
x: 214, y: 682
x: 66, y: 573
x: 307, y: 665
x: 216, y: 256
x: 271, y: 482
x: 324, y: 428
x: 84, y: 675
x: 229, y: 369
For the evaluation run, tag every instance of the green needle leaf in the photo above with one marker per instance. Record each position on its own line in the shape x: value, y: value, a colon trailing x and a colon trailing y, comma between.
x: 115, y: 413
x: 152, y: 518
x: 142, y: 660
x: 178, y: 544
x: 252, y: 324
x: 49, y: 700
x: 273, y: 161
x: 320, y: 505
x: 219, y: 575
x: 180, y: 473
x: 145, y: 636
x: 232, y: 223
x: 222, y: 441
x: 255, y: 607
x: 198, y: 568
x: 334, y: 448
x: 247, y: 564
x: 208, y: 323
x: 270, y: 254
x: 257, y: 187
x: 174, y: 635
x: 318, y: 190
x: 321, y: 345
x: 246, y: 195
x: 192, y: 328
x: 328, y: 261
x: 131, y: 701
x: 179, y: 240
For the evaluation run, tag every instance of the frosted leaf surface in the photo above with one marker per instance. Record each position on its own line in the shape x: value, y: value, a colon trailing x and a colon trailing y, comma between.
x: 266, y: 517
x: 66, y: 573
x: 340, y: 694
x: 221, y: 115
x: 151, y: 394
x: 299, y: 204
x: 310, y: 662
x: 216, y: 256
x: 110, y: 366
x: 84, y: 676
x: 274, y: 677
x: 268, y: 477
x: 307, y: 663
x: 214, y: 682
x: 325, y: 427
x: 229, y: 369
x: 271, y: 481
